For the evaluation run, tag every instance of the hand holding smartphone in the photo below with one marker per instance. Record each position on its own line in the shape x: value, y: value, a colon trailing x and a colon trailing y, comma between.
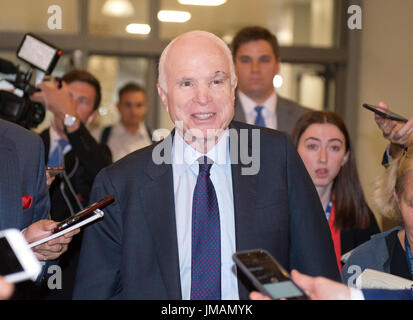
x: 17, y: 260
x: 269, y: 277
x: 86, y: 216
x: 55, y: 170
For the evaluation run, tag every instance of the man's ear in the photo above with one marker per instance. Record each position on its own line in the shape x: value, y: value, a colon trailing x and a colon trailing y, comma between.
x: 92, y: 117
x: 163, y: 96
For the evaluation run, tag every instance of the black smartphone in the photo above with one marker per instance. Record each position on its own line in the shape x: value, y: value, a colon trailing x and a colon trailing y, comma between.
x: 38, y: 53
x: 269, y: 277
x: 84, y: 215
x: 385, y: 113
x: 55, y: 170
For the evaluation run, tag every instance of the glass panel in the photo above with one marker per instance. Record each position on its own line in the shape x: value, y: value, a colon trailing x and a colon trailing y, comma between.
x: 33, y: 16
x: 294, y: 22
x: 114, y: 72
x: 101, y: 23
x: 308, y: 84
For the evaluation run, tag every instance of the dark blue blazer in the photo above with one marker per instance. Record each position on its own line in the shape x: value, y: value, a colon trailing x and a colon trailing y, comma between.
x: 133, y: 252
x: 22, y: 172
x: 381, y: 294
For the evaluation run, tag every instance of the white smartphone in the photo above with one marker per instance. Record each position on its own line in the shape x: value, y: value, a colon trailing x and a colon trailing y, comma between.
x: 17, y: 260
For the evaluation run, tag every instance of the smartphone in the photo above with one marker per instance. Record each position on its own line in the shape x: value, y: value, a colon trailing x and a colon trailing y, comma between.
x: 269, y: 277
x: 86, y: 216
x: 55, y: 170
x: 17, y: 260
x: 38, y: 53
x: 385, y: 113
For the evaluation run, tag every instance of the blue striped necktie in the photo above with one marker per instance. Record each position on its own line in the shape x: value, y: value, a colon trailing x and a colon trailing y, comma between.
x: 259, y: 119
x: 206, y: 238
x: 57, y: 157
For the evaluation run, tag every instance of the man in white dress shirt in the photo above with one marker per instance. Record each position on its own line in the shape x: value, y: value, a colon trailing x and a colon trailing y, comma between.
x: 130, y: 133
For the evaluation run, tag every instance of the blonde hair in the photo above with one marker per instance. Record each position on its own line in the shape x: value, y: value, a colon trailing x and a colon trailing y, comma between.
x: 391, y: 183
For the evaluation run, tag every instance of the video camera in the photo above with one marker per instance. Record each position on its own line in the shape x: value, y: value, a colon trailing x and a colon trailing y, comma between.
x: 40, y: 55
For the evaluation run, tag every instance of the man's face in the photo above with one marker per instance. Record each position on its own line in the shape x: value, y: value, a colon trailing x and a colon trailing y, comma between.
x: 255, y: 66
x: 199, y: 87
x: 84, y: 95
x: 132, y: 108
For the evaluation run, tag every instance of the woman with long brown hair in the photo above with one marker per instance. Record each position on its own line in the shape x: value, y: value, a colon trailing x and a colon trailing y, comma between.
x: 324, y: 145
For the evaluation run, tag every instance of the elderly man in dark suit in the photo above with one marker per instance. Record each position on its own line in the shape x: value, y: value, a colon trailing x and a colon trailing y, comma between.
x: 257, y: 60
x: 186, y: 204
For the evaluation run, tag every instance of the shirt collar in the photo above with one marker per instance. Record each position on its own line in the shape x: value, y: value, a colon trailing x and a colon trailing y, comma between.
x: 185, y: 157
x: 249, y: 104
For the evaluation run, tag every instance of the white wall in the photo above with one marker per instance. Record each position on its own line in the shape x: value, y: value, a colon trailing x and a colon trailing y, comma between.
x: 386, y: 73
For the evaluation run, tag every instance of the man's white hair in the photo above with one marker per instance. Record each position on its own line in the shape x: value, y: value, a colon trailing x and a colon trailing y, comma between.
x: 162, y: 74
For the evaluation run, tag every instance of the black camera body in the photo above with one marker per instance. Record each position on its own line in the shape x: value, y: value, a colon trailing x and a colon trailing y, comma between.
x: 38, y: 54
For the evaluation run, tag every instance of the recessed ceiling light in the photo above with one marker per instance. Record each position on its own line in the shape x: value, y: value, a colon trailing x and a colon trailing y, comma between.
x: 118, y: 8
x: 137, y: 28
x: 173, y: 16
x: 203, y: 2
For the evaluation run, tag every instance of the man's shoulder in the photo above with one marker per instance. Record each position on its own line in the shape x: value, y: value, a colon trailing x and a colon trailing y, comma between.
x: 292, y: 105
x: 22, y: 137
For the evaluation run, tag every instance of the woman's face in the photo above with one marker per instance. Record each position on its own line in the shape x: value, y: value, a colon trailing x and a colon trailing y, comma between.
x: 322, y: 148
x: 405, y: 201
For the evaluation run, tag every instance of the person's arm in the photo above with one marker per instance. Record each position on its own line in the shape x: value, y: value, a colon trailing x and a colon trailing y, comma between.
x: 101, y: 253
x: 92, y: 155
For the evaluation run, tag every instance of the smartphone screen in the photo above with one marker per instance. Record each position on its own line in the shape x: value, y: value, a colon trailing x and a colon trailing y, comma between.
x: 261, y: 267
x: 9, y: 263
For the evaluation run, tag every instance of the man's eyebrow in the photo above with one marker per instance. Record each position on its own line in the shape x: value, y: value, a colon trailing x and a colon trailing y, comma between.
x: 220, y: 74
x: 183, y: 79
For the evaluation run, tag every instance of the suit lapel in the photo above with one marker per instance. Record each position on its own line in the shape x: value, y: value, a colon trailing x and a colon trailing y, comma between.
x: 10, y: 194
x: 245, y: 197
x: 159, y: 208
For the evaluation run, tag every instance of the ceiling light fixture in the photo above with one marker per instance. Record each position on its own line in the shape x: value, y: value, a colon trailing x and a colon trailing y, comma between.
x: 137, y: 28
x: 118, y: 8
x: 173, y: 16
x: 202, y: 2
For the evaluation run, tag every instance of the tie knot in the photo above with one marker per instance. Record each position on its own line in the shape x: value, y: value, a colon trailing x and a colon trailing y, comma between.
x: 258, y: 109
x: 63, y: 143
x: 205, y: 165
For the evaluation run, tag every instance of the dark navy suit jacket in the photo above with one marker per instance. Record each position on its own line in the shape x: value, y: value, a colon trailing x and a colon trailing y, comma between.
x: 22, y: 173
x: 379, y: 294
x: 133, y: 252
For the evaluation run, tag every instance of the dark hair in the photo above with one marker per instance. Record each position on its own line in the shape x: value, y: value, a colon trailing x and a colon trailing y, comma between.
x: 255, y: 33
x: 350, y: 205
x: 130, y: 86
x: 84, y: 76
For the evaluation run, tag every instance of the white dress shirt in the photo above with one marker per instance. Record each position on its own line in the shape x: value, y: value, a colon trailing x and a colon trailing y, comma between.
x: 121, y: 142
x: 185, y: 172
x: 268, y: 112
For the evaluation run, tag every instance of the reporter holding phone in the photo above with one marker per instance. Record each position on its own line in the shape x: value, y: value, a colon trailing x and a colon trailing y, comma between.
x: 24, y: 199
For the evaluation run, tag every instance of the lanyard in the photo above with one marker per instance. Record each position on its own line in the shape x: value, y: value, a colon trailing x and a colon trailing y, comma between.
x: 328, y: 210
x: 409, y: 255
